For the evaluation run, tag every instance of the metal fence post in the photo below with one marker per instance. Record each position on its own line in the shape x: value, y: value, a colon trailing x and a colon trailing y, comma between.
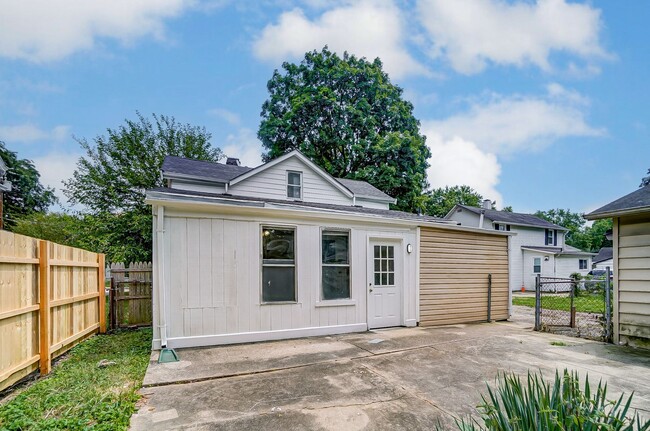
x: 572, y: 308
x: 489, y: 302
x: 608, y: 306
x: 538, y: 304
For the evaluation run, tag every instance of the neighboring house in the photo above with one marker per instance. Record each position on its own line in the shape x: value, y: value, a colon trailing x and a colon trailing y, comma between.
x: 537, y: 248
x: 286, y: 250
x: 604, y: 259
x: 631, y: 262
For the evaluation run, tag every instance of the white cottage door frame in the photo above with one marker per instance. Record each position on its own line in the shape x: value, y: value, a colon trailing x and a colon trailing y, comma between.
x: 385, y: 282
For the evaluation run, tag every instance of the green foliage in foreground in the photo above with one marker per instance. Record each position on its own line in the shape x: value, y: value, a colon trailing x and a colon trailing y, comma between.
x: 586, y: 303
x: 80, y: 396
x: 562, y: 405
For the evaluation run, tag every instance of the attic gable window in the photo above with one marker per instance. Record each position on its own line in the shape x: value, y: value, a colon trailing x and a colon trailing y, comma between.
x: 294, y: 185
x: 550, y: 237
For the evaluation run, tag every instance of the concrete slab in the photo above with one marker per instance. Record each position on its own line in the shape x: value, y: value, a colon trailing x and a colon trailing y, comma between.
x: 207, y: 363
x: 398, y: 379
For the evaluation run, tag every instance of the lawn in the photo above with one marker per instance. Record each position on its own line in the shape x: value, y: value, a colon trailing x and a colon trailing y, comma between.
x: 79, y: 395
x: 584, y: 304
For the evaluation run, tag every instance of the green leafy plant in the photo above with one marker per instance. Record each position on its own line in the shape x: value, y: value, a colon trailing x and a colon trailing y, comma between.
x: 544, y: 406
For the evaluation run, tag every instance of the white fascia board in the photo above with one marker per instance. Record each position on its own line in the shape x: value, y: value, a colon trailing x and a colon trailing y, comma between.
x: 302, y: 158
x: 205, y: 203
x: 612, y: 214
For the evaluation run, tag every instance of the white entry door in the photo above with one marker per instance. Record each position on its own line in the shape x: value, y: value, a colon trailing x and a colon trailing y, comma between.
x: 384, y: 285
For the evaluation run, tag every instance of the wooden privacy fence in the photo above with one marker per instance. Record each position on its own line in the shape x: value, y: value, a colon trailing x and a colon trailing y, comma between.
x: 51, y: 298
x: 130, y: 294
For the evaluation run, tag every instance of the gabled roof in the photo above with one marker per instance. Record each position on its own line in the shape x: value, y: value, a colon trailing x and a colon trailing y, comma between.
x: 179, y: 167
x: 507, y: 217
x: 605, y: 253
x: 636, y: 202
x: 298, y: 155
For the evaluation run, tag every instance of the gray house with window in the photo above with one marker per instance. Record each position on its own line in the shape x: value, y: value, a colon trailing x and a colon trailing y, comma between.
x: 286, y: 250
x: 537, y: 248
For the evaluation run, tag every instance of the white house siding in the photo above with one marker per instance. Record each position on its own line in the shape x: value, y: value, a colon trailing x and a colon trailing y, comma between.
x: 604, y: 264
x: 567, y: 265
x: 272, y: 184
x: 632, y: 262
x: 197, y: 187
x: 212, y: 278
x: 372, y: 204
x: 468, y: 218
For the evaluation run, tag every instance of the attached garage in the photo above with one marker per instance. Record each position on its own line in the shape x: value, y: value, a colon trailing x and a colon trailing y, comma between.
x: 455, y: 267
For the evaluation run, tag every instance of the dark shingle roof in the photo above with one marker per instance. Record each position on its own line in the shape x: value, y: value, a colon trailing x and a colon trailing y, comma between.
x: 638, y: 199
x: 514, y: 218
x: 218, y: 172
x: 363, y: 188
x: 316, y: 205
x: 557, y: 250
x: 604, y: 254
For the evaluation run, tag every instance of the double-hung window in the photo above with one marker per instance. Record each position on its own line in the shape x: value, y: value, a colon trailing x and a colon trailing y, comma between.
x: 583, y: 263
x: 550, y: 237
x: 537, y: 265
x: 335, y: 264
x: 278, y: 264
x: 294, y: 185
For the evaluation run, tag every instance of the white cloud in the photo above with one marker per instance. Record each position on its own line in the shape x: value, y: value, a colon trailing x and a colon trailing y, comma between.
x: 473, y: 33
x: 460, y: 162
x: 55, y: 167
x: 245, y: 146
x: 504, y: 125
x: 369, y: 29
x: 26, y: 133
x: 43, y: 30
x: 229, y: 117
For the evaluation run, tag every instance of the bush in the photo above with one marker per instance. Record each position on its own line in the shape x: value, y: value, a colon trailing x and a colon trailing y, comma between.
x: 545, y: 407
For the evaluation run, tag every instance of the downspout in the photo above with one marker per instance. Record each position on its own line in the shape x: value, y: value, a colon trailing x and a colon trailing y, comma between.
x: 480, y: 220
x: 226, y: 188
x: 160, y: 260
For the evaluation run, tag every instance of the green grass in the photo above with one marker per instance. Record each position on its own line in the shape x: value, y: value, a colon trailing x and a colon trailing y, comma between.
x: 558, y: 343
x: 78, y: 395
x: 584, y: 304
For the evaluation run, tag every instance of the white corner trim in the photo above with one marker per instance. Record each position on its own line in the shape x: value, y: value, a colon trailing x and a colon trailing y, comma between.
x: 251, y: 337
x: 410, y: 322
x: 335, y: 303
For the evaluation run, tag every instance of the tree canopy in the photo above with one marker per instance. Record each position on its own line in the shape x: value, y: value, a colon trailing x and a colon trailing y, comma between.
x: 27, y: 195
x: 346, y: 115
x: 645, y: 181
x: 438, y: 202
x: 111, y: 179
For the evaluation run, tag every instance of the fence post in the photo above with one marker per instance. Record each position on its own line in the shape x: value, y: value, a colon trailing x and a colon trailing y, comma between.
x: 489, y: 302
x: 538, y: 304
x: 608, y: 306
x: 44, y: 307
x: 572, y: 308
x: 111, y: 298
x: 101, y: 286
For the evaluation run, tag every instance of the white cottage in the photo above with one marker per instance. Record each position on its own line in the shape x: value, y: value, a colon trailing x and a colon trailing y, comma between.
x: 537, y: 249
x: 286, y: 250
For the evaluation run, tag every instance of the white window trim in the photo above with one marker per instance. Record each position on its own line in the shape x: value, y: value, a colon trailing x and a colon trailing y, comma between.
x: 300, y: 186
x: 322, y: 302
x: 295, y: 263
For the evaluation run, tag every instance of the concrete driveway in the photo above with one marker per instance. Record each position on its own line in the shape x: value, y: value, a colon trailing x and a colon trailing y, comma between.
x: 394, y: 379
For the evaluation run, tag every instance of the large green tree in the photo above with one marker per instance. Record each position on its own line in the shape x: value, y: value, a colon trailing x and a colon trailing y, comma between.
x: 438, y: 202
x: 111, y: 179
x: 346, y: 115
x: 27, y: 195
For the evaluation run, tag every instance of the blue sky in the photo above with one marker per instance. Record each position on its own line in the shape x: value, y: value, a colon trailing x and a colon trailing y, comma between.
x: 537, y: 105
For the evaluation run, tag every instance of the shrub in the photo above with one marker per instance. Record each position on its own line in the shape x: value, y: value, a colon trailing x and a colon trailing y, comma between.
x: 544, y: 407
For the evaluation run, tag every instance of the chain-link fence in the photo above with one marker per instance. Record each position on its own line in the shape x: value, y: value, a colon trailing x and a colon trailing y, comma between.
x: 580, y: 308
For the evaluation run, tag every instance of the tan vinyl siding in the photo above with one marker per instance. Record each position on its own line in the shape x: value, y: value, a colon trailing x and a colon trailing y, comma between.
x: 633, y: 303
x: 454, y: 268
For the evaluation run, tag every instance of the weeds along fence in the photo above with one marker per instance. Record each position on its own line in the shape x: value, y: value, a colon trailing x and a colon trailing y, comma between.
x: 51, y: 298
x: 130, y: 294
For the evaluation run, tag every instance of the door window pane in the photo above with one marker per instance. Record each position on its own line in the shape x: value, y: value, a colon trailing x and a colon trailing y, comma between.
x: 384, y: 265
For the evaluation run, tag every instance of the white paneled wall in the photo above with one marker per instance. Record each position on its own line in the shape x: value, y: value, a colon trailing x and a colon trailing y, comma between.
x: 212, y: 282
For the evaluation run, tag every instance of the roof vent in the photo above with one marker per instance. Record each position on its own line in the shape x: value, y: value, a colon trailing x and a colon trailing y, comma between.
x: 233, y: 161
x: 487, y: 204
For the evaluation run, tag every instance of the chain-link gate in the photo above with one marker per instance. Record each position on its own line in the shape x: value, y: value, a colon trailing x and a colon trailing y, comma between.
x: 580, y: 308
